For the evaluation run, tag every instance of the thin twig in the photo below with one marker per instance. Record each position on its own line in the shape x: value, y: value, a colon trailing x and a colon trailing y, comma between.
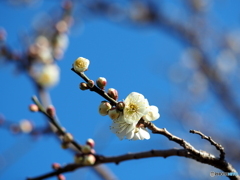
x: 219, y: 147
x: 54, y: 122
x: 96, y: 89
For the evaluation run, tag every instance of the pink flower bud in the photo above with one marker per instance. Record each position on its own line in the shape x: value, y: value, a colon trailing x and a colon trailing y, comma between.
x: 33, y: 108
x: 89, y: 159
x: 61, y: 177
x: 113, y: 93
x: 104, y: 107
x: 56, y: 166
x: 90, y: 83
x: 90, y: 142
x: 83, y: 86
x: 51, y: 111
x: 101, y: 82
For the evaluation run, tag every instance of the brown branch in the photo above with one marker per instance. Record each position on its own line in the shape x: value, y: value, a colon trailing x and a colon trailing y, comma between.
x: 118, y: 159
x: 54, y: 122
x: 198, y: 155
x: 219, y: 147
x: 96, y: 89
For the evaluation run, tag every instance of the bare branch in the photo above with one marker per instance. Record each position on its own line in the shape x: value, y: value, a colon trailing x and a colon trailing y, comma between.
x: 218, y: 146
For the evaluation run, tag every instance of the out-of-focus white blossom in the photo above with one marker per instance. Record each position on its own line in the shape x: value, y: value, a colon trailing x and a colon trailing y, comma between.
x: 26, y: 126
x: 81, y: 64
x: 45, y: 74
x: 152, y: 114
x: 136, y: 106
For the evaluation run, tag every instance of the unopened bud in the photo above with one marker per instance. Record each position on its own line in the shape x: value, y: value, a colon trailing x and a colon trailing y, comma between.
x: 114, y: 114
x: 89, y: 159
x: 78, y: 159
x: 67, y: 138
x: 104, y: 107
x: 51, y: 111
x: 90, y: 83
x: 120, y: 106
x: 113, y: 93
x: 33, y: 108
x: 86, y: 149
x: 61, y: 177
x: 56, y: 166
x: 81, y: 64
x: 26, y: 126
x: 90, y: 142
x: 101, y: 82
x: 64, y: 145
x: 93, y: 151
x: 83, y: 86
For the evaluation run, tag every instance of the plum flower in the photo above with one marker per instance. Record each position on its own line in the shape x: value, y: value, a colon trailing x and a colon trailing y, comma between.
x: 136, y: 106
x: 125, y: 124
x: 81, y: 64
x: 128, y: 131
x: 152, y: 114
x: 45, y: 75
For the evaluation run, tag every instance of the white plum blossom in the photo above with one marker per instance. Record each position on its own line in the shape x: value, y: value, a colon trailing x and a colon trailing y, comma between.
x: 81, y: 64
x: 141, y: 134
x: 152, y: 114
x: 122, y: 129
x: 45, y: 74
x: 128, y: 131
x: 136, y: 106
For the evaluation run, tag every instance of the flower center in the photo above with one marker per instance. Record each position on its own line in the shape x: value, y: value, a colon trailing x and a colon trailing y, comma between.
x: 132, y: 108
x: 80, y: 64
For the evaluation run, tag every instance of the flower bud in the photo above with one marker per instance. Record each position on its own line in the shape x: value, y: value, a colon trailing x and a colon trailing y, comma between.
x: 90, y: 142
x: 90, y: 83
x: 26, y: 126
x: 51, y: 111
x: 104, y: 107
x: 83, y: 86
x: 114, y: 114
x: 113, y: 93
x: 78, y: 159
x: 61, y: 177
x: 33, y: 108
x: 120, y: 106
x: 89, y: 159
x: 86, y: 149
x: 81, y: 64
x: 93, y: 151
x: 101, y: 82
x: 67, y: 138
x: 56, y: 166
x: 64, y: 145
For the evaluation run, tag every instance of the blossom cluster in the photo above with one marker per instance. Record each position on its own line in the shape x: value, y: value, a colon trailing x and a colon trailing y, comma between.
x: 126, y: 114
x: 136, y: 107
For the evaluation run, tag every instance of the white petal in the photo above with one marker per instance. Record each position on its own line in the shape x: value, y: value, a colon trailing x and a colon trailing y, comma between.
x: 152, y: 114
x: 143, y: 133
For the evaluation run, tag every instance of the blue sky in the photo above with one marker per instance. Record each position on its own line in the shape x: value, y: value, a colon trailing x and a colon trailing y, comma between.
x: 132, y: 60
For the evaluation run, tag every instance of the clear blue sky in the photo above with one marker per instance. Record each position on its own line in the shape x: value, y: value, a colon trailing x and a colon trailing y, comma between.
x: 132, y: 60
